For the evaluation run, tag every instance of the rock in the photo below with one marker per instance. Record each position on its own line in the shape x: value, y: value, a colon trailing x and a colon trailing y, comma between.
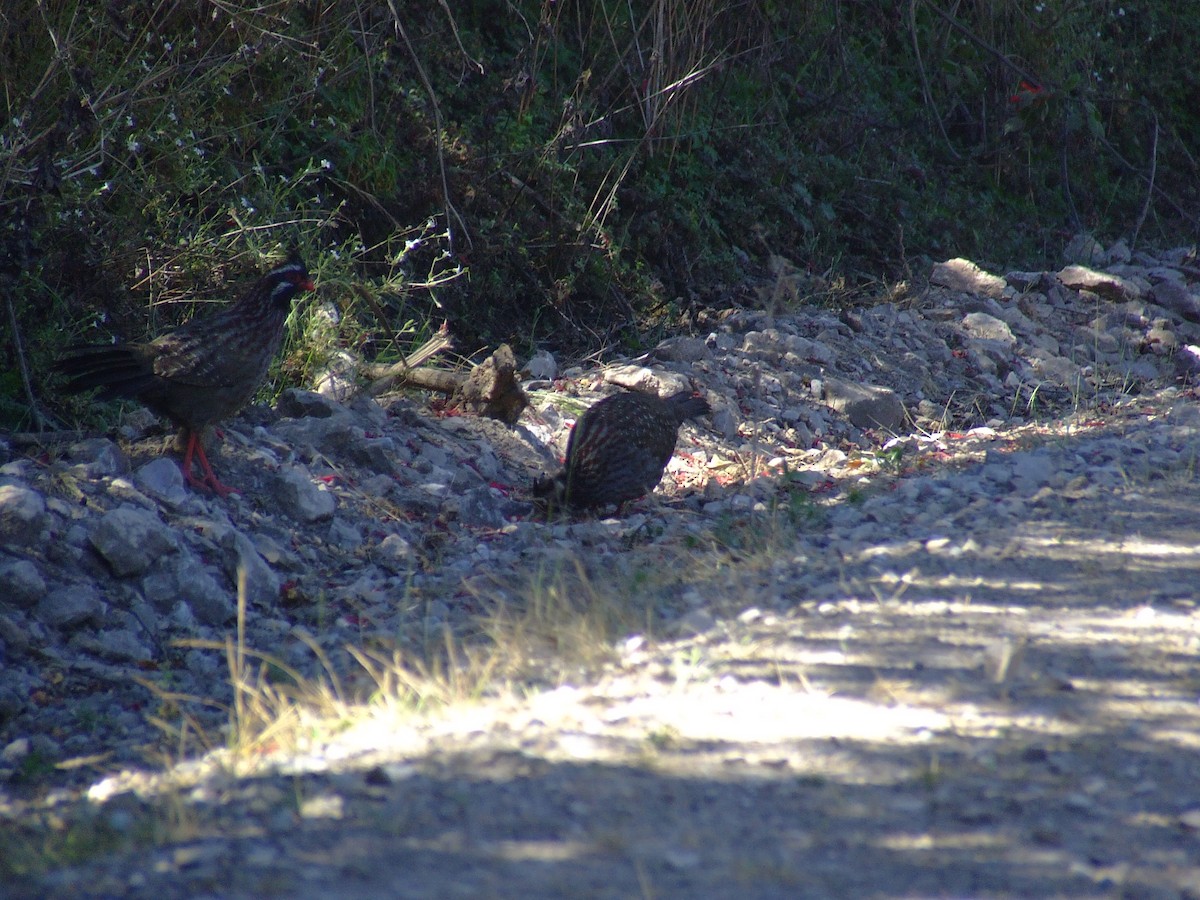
x: 299, y: 404
x: 241, y: 556
x: 542, y: 366
x: 21, y: 584
x: 865, y: 405
x: 1160, y: 341
x: 116, y: 645
x: 1083, y: 249
x: 69, y: 606
x: 395, y: 554
x: 682, y: 349
x: 97, y: 458
x: 1032, y: 470
x: 338, y: 380
x: 477, y: 508
x: 1176, y: 297
x: 963, y: 275
x: 724, y: 422
x: 1187, y: 361
x: 981, y: 325
x: 1056, y: 368
x: 17, y: 635
x: 130, y: 539
x: 634, y: 378
x: 1118, y: 254
x: 299, y: 498
x: 11, y: 704
x: 493, y: 389
x: 1024, y: 281
x: 187, y: 581
x: 22, y: 515
x: 122, y: 490
x: 694, y: 622
x: 162, y: 479
x: 1111, y: 287
x: 16, y: 750
x: 344, y: 534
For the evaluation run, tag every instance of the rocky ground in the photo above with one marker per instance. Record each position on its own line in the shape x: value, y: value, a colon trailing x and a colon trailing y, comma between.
x: 912, y: 614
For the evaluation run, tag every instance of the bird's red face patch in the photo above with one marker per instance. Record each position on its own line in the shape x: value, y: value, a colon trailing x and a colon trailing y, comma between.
x: 302, y: 281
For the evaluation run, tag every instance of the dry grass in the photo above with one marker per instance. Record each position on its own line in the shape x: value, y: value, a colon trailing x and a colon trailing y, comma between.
x: 564, y: 618
x: 554, y: 625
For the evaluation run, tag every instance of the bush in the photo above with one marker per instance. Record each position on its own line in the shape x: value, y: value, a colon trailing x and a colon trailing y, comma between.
x: 561, y: 174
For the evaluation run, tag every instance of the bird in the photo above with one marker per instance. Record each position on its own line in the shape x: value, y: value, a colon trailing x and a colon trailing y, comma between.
x: 619, y: 449
x: 200, y: 373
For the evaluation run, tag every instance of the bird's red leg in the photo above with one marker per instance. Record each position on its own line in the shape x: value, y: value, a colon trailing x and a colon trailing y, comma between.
x: 194, y: 446
x: 186, y: 466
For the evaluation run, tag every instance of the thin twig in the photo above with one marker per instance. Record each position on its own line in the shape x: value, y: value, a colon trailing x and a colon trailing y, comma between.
x: 984, y: 45
x: 385, y: 376
x: 39, y: 420
x: 458, y: 38
x: 1150, y: 190
x: 44, y: 438
x: 1066, y: 177
x: 926, y: 91
x: 437, y: 122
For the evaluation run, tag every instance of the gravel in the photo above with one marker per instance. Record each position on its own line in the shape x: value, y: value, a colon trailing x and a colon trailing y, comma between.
x: 918, y: 604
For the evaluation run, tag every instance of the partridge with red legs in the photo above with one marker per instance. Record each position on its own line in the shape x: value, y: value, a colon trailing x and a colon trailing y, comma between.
x: 202, y: 372
x: 619, y: 448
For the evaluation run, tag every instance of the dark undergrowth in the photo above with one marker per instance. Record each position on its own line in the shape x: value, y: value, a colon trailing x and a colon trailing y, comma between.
x: 576, y: 176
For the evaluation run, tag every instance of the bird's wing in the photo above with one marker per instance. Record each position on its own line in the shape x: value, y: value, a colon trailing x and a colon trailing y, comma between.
x: 207, y: 355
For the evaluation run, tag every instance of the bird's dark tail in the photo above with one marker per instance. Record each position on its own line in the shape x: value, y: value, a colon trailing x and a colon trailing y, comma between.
x: 117, y: 370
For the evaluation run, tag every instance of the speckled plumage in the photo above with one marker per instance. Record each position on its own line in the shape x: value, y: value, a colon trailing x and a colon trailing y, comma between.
x: 619, y: 448
x: 202, y: 372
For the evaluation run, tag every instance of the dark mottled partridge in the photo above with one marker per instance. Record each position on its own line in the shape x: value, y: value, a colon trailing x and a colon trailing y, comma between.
x: 202, y: 372
x: 619, y: 448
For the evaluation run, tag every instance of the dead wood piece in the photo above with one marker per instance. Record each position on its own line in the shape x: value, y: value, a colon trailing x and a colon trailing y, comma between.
x: 42, y: 438
x: 397, y: 374
x: 491, y: 389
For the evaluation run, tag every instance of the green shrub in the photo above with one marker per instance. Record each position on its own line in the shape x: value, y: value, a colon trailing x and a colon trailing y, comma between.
x: 561, y: 174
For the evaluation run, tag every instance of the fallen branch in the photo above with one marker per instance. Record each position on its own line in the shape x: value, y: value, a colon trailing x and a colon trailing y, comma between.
x: 386, y: 377
x: 42, y: 438
x: 490, y: 389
